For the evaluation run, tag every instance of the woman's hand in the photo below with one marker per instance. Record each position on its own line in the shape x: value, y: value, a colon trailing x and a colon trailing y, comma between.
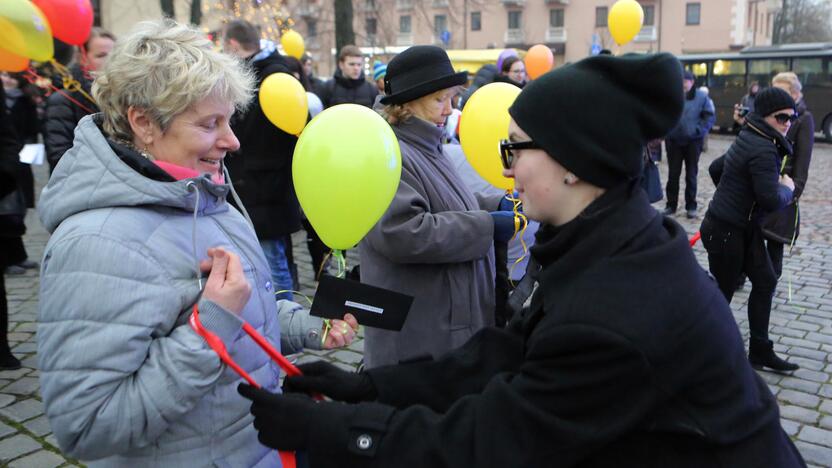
x: 341, y: 332
x: 787, y: 181
x: 227, y: 285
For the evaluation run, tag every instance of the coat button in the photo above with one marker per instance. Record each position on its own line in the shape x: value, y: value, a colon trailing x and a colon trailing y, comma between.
x: 268, y: 285
x: 313, y: 334
x: 364, y: 442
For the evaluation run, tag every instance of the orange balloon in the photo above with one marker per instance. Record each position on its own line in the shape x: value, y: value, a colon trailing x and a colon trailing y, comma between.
x: 539, y: 60
x: 12, y: 63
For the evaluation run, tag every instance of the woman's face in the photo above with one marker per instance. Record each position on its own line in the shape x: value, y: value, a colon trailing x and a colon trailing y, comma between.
x: 538, y: 179
x: 778, y: 121
x: 435, y: 107
x: 755, y: 89
x: 198, y: 138
x: 97, y: 52
x: 517, y: 72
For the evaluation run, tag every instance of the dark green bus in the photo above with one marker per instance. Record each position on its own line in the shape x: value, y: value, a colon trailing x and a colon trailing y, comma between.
x: 728, y: 75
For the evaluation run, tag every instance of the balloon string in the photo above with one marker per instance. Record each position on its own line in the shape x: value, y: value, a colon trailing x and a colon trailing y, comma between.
x: 32, y: 76
x: 519, y: 218
x: 297, y: 293
x: 341, y: 263
x: 70, y: 83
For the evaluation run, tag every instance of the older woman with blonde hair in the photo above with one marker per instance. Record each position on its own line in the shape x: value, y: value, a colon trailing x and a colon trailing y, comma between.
x: 782, y: 227
x: 435, y: 242
x: 133, y: 209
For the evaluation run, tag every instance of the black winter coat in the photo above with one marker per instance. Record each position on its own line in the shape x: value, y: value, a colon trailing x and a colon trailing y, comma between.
x: 342, y: 90
x: 261, y: 169
x: 628, y: 357
x: 63, y: 115
x: 783, y: 225
x: 10, y: 225
x: 747, y: 175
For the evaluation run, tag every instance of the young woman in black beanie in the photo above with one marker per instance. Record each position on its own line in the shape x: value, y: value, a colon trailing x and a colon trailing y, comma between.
x: 605, y: 368
x: 749, y: 185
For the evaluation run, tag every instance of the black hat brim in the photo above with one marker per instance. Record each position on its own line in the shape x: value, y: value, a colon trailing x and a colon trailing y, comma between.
x: 423, y: 89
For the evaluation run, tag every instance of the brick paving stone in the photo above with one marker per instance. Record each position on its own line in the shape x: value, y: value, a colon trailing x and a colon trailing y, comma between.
x: 16, y: 446
x: 23, y: 410
x: 797, y: 413
x: 814, y: 376
x: 6, y: 430
x: 809, y: 364
x: 822, y: 456
x: 819, y: 337
x: 826, y: 406
x: 798, y: 384
x: 798, y: 342
x: 819, y: 356
x: 39, y: 459
x: 791, y: 427
x: 815, y: 435
x: 6, y: 400
x: 805, y: 400
x: 801, y: 325
x: 23, y: 386
x: 38, y: 426
x: 787, y: 331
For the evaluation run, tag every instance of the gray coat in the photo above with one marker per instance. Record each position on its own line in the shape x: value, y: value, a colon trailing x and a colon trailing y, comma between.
x: 124, y: 378
x: 434, y: 243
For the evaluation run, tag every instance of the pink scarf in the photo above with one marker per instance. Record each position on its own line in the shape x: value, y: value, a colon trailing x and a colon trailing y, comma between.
x: 181, y: 173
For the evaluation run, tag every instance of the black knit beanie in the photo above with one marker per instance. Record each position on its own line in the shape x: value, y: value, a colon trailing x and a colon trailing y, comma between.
x: 595, y: 116
x: 772, y: 100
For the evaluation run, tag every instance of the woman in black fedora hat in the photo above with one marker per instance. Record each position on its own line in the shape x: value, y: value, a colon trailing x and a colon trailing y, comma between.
x: 604, y: 369
x: 435, y: 242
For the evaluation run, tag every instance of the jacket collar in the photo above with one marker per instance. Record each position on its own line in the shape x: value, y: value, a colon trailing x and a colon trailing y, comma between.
x: 348, y: 82
x: 756, y: 124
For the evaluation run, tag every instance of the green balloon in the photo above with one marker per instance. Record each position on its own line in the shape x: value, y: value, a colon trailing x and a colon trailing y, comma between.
x: 346, y: 169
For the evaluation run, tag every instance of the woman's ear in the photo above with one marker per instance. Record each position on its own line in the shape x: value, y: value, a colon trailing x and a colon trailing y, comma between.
x: 141, y: 124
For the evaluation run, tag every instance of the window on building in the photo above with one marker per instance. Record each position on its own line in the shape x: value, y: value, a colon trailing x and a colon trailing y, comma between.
x: 556, y: 18
x: 476, y: 21
x: 514, y: 19
x: 440, y: 24
x: 311, y: 27
x: 649, y: 15
x: 404, y: 24
x: 692, y: 11
x: 371, y: 26
x: 370, y: 5
x: 601, y: 17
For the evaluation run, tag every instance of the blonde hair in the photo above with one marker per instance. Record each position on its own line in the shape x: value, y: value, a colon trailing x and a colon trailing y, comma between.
x: 789, y: 78
x: 164, y: 68
x: 398, y: 113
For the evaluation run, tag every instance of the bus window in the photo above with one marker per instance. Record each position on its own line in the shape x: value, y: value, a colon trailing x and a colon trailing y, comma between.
x: 813, y: 72
x: 763, y: 70
x: 728, y: 74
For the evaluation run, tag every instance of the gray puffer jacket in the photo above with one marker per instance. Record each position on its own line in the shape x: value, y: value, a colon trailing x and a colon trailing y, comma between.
x: 124, y: 378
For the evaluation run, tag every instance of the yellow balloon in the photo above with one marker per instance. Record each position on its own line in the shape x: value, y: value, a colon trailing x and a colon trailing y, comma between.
x: 24, y: 30
x: 624, y: 20
x: 292, y: 43
x: 346, y: 170
x: 284, y: 102
x: 483, y: 124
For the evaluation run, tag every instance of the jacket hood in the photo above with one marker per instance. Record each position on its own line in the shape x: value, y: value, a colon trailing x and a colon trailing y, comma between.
x: 348, y: 82
x: 91, y: 176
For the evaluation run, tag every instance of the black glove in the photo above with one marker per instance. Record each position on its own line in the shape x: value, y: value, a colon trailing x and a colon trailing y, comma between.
x: 282, y: 421
x: 323, y: 377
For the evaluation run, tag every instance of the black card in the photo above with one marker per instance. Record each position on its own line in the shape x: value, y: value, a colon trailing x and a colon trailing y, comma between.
x: 372, y: 306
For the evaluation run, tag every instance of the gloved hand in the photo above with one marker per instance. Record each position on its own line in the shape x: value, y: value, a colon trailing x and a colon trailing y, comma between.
x: 508, y: 205
x: 285, y: 422
x: 323, y: 377
x: 503, y: 225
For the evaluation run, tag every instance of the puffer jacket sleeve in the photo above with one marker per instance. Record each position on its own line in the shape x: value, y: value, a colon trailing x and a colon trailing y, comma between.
x: 804, y: 141
x: 60, y: 127
x: 410, y: 233
x: 769, y: 193
x: 118, y: 365
x: 298, y: 329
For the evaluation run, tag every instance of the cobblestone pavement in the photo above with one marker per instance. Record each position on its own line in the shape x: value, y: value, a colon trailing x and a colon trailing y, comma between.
x: 801, y: 328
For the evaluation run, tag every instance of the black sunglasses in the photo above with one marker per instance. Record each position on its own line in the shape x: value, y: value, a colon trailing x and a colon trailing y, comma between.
x: 507, y: 146
x: 783, y: 118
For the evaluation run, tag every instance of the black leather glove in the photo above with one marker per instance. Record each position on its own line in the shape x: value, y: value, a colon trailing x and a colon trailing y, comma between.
x: 327, y: 379
x: 281, y: 420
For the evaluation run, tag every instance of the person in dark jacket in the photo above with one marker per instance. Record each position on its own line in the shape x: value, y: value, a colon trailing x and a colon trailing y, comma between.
x: 605, y: 368
x: 261, y: 170
x: 485, y: 75
x: 315, y: 83
x: 513, y: 72
x: 684, y: 145
x: 783, y: 226
x: 749, y: 185
x: 64, y: 111
x: 348, y: 85
x: 11, y: 225
x: 23, y: 115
